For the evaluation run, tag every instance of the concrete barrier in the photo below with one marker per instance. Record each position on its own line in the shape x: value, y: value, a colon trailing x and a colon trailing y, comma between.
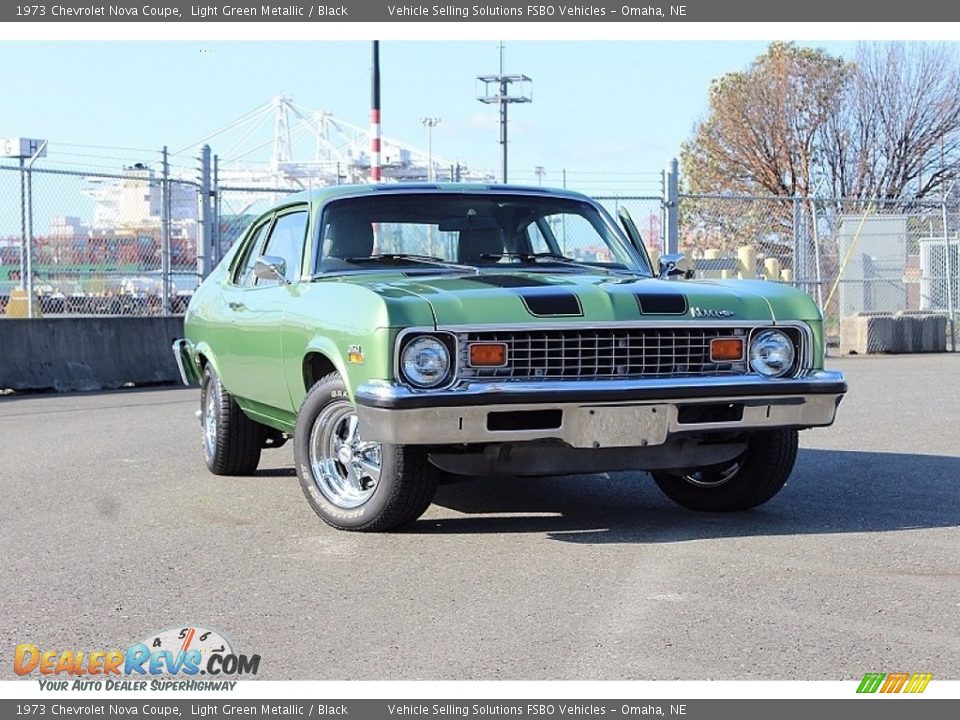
x: 87, y: 353
x: 904, y: 332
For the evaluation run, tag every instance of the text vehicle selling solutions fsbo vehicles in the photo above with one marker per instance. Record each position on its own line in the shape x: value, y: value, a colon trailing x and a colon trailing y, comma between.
x: 400, y: 334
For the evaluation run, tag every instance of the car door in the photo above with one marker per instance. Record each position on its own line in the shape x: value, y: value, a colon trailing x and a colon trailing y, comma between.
x: 233, y: 308
x: 257, y: 351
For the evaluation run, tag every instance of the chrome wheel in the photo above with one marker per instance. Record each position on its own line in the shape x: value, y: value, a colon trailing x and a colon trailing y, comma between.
x: 346, y: 470
x: 211, y: 405
x: 713, y: 476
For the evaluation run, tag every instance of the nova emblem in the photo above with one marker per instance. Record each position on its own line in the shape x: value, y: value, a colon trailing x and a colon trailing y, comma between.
x: 699, y: 312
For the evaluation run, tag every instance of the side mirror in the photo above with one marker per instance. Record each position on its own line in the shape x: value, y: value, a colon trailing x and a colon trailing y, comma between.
x: 675, y: 264
x: 271, y: 267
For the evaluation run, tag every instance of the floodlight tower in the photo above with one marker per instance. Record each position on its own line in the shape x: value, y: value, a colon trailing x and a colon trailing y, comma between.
x: 430, y: 123
x: 502, y: 90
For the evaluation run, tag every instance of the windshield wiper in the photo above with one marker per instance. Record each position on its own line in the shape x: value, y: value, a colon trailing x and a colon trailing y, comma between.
x: 552, y: 257
x: 412, y: 257
x: 425, y: 259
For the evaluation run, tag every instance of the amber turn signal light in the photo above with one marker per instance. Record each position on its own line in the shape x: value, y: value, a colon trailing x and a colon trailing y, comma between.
x: 726, y: 349
x: 488, y: 354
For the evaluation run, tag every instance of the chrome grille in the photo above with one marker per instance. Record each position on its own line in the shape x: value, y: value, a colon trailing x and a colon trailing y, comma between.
x: 604, y: 353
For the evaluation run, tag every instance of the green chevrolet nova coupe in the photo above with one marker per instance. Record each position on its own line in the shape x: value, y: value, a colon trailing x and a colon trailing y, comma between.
x: 403, y: 334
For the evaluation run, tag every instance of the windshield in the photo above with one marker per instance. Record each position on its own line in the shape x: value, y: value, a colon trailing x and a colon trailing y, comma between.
x: 456, y: 232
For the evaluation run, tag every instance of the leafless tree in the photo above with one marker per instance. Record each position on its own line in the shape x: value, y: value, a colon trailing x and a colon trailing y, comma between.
x: 896, y: 133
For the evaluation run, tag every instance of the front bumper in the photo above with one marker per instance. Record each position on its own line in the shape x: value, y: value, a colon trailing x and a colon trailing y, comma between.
x: 595, y: 414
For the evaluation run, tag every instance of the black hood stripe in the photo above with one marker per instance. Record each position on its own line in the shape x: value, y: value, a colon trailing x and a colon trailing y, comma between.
x: 542, y: 299
x: 662, y: 304
x: 552, y: 304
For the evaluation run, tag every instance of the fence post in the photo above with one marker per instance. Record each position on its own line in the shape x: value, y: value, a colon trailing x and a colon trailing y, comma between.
x: 165, y: 232
x: 31, y: 299
x: 949, y: 272
x: 23, y: 225
x: 217, y: 249
x: 205, y: 226
x: 799, y: 261
x: 671, y: 202
x: 816, y: 254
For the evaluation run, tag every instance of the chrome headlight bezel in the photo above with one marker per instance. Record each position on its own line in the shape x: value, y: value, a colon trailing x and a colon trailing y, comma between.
x: 426, y: 361
x: 773, y: 353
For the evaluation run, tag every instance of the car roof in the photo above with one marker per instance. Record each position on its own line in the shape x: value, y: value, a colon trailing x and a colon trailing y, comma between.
x: 331, y: 192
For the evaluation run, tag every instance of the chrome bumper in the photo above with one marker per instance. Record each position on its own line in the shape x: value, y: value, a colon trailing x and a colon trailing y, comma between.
x: 595, y: 414
x: 189, y: 373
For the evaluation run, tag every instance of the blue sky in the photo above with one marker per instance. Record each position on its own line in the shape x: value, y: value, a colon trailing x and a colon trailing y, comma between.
x: 598, y: 107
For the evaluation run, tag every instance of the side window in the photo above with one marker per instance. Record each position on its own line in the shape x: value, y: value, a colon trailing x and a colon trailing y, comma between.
x: 243, y: 275
x: 286, y: 241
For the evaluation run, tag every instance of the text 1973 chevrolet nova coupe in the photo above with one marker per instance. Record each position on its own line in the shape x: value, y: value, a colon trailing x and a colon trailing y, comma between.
x: 402, y: 333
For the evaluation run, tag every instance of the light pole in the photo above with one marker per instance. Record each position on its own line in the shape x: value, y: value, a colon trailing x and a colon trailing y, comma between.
x: 540, y: 171
x: 497, y: 91
x: 430, y: 123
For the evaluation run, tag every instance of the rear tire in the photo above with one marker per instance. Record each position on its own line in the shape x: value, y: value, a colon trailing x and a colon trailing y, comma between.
x: 231, y: 441
x: 748, y: 481
x: 354, y: 484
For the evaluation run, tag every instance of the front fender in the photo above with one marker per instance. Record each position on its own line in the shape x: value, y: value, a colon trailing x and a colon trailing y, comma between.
x: 329, y: 349
x: 376, y: 362
x: 203, y: 349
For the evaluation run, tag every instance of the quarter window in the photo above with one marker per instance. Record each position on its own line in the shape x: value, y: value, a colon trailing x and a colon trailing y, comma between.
x: 244, y: 273
x: 286, y: 241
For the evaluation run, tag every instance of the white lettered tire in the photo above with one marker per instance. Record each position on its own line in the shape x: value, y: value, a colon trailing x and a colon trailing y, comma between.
x: 353, y: 484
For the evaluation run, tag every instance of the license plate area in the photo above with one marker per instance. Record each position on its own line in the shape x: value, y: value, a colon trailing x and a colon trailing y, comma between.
x: 597, y: 426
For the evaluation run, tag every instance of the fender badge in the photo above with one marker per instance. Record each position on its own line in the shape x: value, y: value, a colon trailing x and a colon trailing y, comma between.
x: 699, y: 312
x: 355, y: 354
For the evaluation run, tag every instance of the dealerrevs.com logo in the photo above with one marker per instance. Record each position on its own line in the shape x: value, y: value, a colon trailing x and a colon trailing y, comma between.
x: 168, y: 660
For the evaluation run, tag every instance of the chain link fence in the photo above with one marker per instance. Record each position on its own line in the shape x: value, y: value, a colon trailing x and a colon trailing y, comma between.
x: 646, y: 211
x: 882, y: 272
x: 122, y: 238
x: 87, y: 241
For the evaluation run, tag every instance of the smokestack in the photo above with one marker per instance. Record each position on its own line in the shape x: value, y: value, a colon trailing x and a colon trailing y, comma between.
x: 375, y: 116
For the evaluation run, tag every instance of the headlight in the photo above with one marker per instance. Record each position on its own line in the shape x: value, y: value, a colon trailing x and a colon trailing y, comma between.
x: 425, y: 362
x: 771, y: 353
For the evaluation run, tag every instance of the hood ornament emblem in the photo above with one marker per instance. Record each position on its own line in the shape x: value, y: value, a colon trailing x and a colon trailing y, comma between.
x: 699, y: 312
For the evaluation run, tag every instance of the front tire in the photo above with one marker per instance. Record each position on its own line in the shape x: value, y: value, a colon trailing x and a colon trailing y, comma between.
x: 750, y: 480
x: 354, y: 484
x: 231, y: 441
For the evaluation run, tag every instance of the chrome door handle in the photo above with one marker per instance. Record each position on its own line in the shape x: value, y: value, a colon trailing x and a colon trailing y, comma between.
x: 236, y: 306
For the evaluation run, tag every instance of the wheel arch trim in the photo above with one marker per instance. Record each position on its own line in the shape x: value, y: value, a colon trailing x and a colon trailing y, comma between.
x: 325, y: 348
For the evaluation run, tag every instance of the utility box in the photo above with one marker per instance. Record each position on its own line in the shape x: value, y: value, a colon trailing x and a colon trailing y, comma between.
x: 936, y: 272
x: 872, y: 279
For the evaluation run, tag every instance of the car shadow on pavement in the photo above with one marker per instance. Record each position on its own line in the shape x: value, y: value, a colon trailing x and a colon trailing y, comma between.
x: 830, y: 491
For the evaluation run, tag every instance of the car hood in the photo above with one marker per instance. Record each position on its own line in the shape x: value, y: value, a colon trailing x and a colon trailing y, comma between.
x: 498, y: 298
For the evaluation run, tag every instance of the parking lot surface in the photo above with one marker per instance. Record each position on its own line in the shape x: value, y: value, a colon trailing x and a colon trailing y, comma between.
x: 113, y: 530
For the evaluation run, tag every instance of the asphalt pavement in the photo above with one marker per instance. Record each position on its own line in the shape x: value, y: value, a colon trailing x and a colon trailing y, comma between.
x: 112, y: 529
